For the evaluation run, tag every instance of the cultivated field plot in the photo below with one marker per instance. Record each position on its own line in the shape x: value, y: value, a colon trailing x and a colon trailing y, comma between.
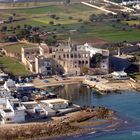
x: 73, y: 17
x: 21, y: 5
x: 16, y: 48
x: 12, y: 66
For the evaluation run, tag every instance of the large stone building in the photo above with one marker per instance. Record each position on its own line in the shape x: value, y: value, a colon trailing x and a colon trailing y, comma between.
x: 53, y: 60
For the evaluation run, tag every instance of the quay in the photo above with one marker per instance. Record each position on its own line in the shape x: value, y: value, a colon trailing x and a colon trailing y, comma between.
x: 53, y: 82
x: 103, y: 85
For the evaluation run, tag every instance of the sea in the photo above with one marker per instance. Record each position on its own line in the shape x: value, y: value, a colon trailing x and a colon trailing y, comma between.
x: 126, y: 103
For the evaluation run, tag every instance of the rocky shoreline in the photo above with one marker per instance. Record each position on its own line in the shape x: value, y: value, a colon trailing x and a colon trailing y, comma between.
x: 71, y: 124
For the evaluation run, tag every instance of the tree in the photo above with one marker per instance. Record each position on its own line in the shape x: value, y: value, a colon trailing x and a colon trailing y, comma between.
x: 51, y: 40
x: 29, y: 27
x: 25, y: 25
x: 4, y: 28
x: 84, y: 70
x: 95, y: 60
x: 18, y: 26
x: 14, y: 14
x: 51, y: 22
x: 67, y: 2
x: 10, y: 19
x: 58, y: 24
x: 36, y: 39
x: 92, y: 17
x: 80, y: 20
x: 35, y: 29
x: 11, y: 28
x: 70, y: 17
x: 23, y: 33
x: 53, y: 16
x: 82, y: 26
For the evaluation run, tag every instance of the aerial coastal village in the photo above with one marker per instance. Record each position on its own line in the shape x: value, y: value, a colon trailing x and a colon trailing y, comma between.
x: 68, y: 68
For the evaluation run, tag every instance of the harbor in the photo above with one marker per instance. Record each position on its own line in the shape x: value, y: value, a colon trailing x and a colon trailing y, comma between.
x: 102, y: 83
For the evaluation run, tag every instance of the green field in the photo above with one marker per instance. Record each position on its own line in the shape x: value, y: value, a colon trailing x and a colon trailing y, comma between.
x: 21, y: 5
x: 16, y: 48
x: 98, y: 30
x: 13, y: 66
x: 72, y: 17
x: 136, y: 76
x: 133, y: 22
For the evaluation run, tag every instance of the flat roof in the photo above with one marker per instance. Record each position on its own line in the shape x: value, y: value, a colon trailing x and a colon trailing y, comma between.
x: 25, y: 85
x: 52, y: 101
x: 119, y: 73
x: 29, y: 103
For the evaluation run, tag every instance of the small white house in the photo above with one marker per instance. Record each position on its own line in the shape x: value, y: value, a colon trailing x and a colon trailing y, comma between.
x: 120, y: 75
x: 11, y: 111
x: 9, y: 84
x: 56, y: 104
x: 34, y: 107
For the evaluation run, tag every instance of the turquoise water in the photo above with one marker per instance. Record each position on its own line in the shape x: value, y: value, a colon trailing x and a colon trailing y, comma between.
x: 127, y: 104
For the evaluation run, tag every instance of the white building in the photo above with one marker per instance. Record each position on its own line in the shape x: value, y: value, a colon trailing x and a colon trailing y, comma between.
x: 137, y: 6
x: 104, y: 63
x: 9, y: 85
x: 120, y: 75
x: 11, y: 111
x: 130, y: 2
x: 56, y: 104
x: 93, y: 50
x: 40, y: 108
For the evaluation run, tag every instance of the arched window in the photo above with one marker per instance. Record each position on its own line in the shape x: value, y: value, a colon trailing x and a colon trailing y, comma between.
x: 86, y: 62
x: 71, y: 55
x: 67, y: 55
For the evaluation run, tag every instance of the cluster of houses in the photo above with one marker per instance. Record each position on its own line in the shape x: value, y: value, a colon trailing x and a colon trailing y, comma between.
x: 12, y: 110
x: 16, y: 105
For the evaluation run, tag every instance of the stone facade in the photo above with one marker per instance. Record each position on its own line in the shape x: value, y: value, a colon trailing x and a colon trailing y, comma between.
x: 53, y: 60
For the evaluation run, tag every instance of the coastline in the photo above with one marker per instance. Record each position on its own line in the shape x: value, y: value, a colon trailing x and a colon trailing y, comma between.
x: 64, y: 125
x: 101, y: 85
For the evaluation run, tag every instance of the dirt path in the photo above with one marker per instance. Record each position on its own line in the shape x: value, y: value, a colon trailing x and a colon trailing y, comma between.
x: 99, y: 8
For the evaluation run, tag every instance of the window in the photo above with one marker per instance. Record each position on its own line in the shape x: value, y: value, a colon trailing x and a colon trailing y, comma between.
x: 67, y: 55
x: 50, y: 50
x: 86, y: 62
x: 71, y: 55
x: 8, y: 119
x: 79, y: 56
x: 49, y: 68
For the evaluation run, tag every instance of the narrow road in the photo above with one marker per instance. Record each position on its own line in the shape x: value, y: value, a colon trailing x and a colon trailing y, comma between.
x: 99, y: 8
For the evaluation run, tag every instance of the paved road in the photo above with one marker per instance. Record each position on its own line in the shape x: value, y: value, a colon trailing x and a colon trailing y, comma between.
x: 52, y: 82
x: 99, y: 8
